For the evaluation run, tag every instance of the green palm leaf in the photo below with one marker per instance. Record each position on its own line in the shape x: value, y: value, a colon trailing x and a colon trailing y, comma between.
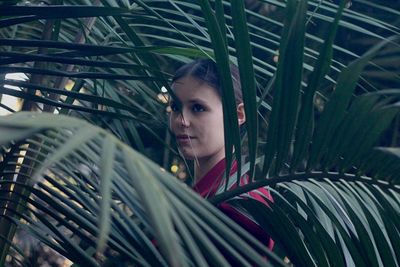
x: 144, y: 200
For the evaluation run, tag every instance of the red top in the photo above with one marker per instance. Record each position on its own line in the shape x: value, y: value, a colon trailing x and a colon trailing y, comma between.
x: 207, y: 187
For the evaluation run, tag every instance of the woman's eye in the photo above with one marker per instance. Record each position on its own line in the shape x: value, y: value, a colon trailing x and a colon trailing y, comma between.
x: 198, y: 108
x: 174, y: 107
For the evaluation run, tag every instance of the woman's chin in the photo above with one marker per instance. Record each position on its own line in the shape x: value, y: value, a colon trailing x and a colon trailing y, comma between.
x: 188, y: 155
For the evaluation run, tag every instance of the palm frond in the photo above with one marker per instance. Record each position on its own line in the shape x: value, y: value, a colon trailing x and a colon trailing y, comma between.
x: 87, y: 184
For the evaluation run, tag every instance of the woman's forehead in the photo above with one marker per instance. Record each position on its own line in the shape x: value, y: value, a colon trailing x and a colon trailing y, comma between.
x: 190, y: 88
x: 188, y: 82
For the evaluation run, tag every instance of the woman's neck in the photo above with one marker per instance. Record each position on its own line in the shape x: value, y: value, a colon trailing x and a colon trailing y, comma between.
x: 204, y: 165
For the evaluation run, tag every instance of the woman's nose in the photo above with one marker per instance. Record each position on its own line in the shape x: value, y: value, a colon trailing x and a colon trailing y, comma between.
x: 184, y: 121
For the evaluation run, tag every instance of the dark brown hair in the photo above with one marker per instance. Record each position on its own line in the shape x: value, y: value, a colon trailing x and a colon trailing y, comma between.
x: 206, y: 70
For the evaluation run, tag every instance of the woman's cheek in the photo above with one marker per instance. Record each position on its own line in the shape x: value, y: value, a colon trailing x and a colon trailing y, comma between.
x: 171, y: 123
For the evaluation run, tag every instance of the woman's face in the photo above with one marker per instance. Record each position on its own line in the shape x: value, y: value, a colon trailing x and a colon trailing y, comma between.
x: 198, y: 124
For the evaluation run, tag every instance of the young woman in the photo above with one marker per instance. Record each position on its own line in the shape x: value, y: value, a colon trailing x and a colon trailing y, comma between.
x: 197, y: 125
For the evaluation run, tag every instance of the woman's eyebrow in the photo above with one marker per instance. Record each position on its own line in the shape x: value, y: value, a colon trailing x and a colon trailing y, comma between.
x: 197, y: 100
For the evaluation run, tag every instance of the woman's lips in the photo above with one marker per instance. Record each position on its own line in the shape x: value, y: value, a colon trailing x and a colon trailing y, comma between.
x: 184, y: 139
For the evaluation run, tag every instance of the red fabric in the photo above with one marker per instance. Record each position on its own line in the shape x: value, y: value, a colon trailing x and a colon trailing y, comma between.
x: 207, y: 187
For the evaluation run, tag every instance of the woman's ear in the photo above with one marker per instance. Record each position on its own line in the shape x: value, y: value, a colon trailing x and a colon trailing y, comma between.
x: 241, y: 114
